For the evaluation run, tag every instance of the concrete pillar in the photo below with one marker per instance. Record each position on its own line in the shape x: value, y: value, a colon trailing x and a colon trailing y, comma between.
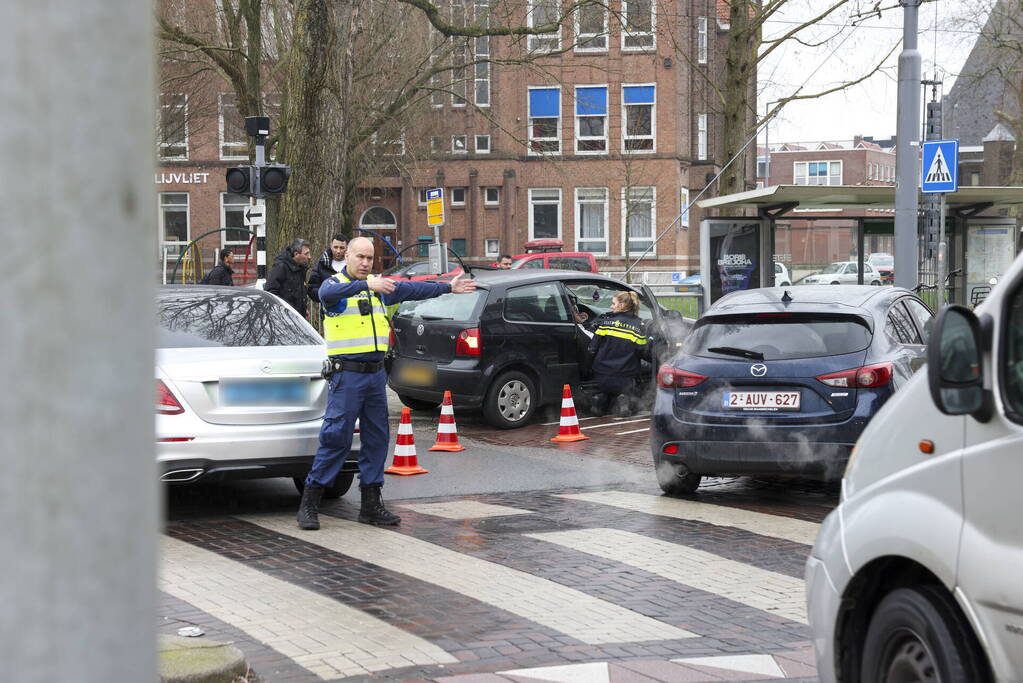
x: 78, y: 496
x: 509, y: 230
x: 472, y: 224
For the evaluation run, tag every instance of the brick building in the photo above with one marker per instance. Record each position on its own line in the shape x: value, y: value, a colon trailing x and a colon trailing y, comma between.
x: 599, y: 145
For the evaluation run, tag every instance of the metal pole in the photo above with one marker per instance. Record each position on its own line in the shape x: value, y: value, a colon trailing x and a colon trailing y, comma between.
x: 79, y: 496
x: 907, y: 150
x: 941, y: 255
x: 767, y: 148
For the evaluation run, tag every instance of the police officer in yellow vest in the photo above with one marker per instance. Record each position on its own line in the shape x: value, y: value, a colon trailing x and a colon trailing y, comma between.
x: 356, y: 329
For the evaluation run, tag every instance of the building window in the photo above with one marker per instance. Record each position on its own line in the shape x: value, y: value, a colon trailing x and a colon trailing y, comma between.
x: 817, y: 172
x: 458, y: 246
x: 458, y: 144
x: 543, y: 13
x: 423, y: 246
x: 638, y: 118
x: 591, y: 119
x: 436, y: 145
x: 482, y: 144
x: 701, y: 40
x: 457, y: 196
x: 591, y: 28
x: 491, y: 196
x: 422, y: 196
x: 544, y: 120
x: 232, y: 215
x: 482, y: 48
x: 591, y: 219
x: 493, y: 247
x: 638, y: 28
x: 638, y: 217
x: 701, y: 136
x: 437, y: 97
x: 173, y: 126
x: 234, y: 142
x: 545, y: 213
x: 174, y: 221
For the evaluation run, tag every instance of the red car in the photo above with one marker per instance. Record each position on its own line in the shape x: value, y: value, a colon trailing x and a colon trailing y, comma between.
x: 548, y: 254
x: 885, y: 265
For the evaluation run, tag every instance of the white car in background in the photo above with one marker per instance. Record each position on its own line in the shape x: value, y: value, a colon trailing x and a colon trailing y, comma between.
x: 844, y: 273
x: 782, y: 278
x: 238, y: 388
x: 917, y: 575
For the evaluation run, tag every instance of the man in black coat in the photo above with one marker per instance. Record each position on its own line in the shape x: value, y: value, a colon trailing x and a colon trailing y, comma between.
x: 221, y: 273
x: 287, y: 277
x: 331, y: 263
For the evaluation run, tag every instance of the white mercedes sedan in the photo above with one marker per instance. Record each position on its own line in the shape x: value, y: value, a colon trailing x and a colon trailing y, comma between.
x: 238, y: 388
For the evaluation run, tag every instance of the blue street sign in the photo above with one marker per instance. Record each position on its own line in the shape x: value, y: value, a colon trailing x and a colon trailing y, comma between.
x: 437, y: 193
x: 940, y: 167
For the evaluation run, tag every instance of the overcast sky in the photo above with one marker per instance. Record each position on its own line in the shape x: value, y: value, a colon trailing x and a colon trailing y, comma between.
x: 870, y: 107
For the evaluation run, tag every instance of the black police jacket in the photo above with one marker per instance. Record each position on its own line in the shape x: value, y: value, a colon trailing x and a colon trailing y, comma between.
x: 619, y: 343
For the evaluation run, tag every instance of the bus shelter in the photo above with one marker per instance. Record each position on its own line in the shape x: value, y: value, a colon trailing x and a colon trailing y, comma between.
x: 738, y: 252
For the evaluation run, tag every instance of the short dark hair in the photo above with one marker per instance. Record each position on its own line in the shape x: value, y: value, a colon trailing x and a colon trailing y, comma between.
x: 224, y: 253
x: 297, y: 245
x: 507, y: 256
x: 340, y: 238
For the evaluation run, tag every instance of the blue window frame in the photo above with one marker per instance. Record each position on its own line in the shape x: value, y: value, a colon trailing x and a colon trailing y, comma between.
x: 591, y: 119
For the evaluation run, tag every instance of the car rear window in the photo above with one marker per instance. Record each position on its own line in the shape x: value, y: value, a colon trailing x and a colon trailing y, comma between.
x: 444, y: 307
x: 190, y: 319
x: 779, y: 336
x: 580, y: 263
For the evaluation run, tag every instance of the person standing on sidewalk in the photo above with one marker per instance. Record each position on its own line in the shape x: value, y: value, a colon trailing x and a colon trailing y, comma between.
x: 332, y: 261
x: 356, y: 330
x: 221, y: 274
x: 287, y: 277
x: 619, y: 343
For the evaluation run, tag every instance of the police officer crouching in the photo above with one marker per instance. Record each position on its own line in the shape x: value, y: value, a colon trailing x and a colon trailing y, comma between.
x: 356, y: 330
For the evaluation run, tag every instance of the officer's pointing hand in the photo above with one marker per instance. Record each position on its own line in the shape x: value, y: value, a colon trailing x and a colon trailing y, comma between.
x: 380, y: 285
x: 460, y: 286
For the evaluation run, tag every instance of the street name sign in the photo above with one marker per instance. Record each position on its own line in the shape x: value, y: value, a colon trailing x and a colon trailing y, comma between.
x: 435, y: 206
x: 940, y: 167
x: 255, y: 215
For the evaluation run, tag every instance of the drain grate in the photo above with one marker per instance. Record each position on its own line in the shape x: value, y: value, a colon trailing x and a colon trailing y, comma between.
x: 521, y: 524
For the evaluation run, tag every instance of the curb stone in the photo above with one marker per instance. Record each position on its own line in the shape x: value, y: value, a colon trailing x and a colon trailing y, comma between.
x: 198, y: 660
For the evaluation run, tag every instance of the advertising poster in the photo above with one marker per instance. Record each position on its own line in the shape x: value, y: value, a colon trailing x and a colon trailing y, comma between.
x: 731, y: 256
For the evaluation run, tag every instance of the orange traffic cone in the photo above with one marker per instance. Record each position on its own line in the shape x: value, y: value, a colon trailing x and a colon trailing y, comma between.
x: 568, y: 430
x: 447, y: 433
x: 405, y: 461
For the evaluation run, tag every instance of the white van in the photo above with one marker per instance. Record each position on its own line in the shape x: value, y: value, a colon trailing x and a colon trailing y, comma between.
x: 917, y: 575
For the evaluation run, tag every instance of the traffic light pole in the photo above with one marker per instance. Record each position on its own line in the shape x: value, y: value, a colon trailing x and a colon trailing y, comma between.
x: 261, y: 131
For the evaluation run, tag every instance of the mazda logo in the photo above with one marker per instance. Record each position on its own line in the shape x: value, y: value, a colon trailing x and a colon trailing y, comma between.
x: 758, y: 370
x: 419, y: 330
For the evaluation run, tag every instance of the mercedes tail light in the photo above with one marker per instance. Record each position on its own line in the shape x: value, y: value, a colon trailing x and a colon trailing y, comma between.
x: 673, y: 378
x: 469, y: 343
x: 866, y: 377
x: 166, y: 404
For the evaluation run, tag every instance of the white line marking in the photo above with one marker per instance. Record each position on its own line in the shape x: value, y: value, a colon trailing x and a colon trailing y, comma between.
x: 615, y: 424
x: 633, y: 431
x: 749, y: 585
x: 558, y: 607
x: 795, y: 530
x: 464, y: 509
x: 751, y: 664
x: 318, y: 633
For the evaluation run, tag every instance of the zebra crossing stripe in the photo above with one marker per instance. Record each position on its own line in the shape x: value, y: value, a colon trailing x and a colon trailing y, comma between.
x: 795, y: 530
x: 765, y: 590
x: 567, y: 610
x: 320, y: 634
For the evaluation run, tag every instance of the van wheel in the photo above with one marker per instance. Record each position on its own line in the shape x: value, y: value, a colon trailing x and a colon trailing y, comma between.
x: 918, y: 634
x: 417, y: 404
x: 342, y: 483
x: 510, y: 400
x: 675, y: 479
x: 875, y: 283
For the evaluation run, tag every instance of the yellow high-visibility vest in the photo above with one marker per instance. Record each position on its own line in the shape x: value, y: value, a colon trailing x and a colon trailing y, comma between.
x: 350, y: 331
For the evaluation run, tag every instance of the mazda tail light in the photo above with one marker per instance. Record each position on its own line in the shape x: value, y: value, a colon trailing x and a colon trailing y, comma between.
x: 469, y: 343
x: 673, y: 378
x: 866, y: 377
x: 166, y: 404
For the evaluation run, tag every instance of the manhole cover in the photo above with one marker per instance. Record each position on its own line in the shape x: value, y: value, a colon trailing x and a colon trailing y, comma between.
x: 521, y: 524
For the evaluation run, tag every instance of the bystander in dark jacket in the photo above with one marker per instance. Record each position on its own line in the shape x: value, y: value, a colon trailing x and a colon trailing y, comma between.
x: 331, y: 263
x: 287, y: 277
x: 221, y: 274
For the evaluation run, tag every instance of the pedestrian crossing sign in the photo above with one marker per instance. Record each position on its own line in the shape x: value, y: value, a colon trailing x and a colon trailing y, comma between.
x: 940, y: 167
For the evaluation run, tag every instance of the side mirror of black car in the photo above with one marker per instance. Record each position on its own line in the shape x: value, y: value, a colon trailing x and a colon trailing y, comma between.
x: 955, y: 365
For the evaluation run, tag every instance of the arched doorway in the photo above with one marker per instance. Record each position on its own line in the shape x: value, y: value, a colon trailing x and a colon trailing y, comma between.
x: 382, y: 222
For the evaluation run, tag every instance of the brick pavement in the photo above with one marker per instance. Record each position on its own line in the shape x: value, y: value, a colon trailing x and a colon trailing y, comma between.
x: 484, y: 587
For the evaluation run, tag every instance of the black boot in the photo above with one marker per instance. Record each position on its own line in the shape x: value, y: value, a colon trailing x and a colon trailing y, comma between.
x: 308, y: 518
x: 373, y: 510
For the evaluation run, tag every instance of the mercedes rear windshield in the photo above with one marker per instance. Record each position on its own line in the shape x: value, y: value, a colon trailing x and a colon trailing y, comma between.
x: 191, y: 318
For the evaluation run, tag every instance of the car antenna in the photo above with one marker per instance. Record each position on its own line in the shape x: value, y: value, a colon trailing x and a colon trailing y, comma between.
x: 786, y: 298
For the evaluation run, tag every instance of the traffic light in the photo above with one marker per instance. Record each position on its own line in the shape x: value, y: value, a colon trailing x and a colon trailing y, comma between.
x: 243, y: 180
x: 273, y: 179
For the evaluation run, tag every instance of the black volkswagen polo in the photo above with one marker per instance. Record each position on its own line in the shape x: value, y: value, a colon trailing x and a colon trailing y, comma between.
x: 783, y: 380
x: 509, y: 347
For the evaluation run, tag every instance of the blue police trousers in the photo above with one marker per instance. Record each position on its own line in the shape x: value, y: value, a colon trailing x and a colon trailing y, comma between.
x: 353, y: 395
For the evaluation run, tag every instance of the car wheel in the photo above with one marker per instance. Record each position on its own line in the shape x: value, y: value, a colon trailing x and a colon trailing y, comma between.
x: 510, y: 400
x: 342, y: 483
x: 417, y: 404
x: 918, y: 634
x: 836, y: 282
x: 786, y: 284
x: 675, y: 480
x: 875, y: 283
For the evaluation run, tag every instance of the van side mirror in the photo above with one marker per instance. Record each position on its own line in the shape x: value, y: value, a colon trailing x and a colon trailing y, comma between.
x: 955, y: 365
